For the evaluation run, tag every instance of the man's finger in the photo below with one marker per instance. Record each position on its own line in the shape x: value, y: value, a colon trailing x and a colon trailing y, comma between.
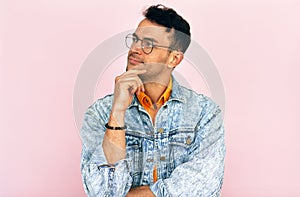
x: 136, y: 71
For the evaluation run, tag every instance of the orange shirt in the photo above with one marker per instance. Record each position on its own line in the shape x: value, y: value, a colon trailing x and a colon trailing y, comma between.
x: 152, y: 109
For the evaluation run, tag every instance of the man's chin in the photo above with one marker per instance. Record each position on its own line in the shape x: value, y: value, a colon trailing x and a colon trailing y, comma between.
x: 135, y: 66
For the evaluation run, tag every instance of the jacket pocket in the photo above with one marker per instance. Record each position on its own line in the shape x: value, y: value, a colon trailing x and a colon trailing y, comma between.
x: 180, y: 140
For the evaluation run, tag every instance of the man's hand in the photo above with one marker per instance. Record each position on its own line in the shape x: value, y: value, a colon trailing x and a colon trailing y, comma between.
x: 125, y: 86
x: 142, y: 191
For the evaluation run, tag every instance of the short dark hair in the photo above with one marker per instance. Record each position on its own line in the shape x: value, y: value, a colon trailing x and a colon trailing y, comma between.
x: 169, y: 18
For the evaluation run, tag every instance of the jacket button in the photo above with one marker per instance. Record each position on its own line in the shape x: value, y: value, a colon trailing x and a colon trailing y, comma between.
x: 188, y: 140
x: 160, y: 130
x: 162, y: 158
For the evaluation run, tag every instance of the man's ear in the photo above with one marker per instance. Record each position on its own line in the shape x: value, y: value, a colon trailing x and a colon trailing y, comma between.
x: 175, y: 59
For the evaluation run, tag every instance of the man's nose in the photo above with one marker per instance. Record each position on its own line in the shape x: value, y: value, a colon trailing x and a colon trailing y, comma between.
x: 137, y: 47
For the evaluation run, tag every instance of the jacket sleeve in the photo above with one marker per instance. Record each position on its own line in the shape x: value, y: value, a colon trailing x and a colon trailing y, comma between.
x: 99, y: 178
x: 202, y: 174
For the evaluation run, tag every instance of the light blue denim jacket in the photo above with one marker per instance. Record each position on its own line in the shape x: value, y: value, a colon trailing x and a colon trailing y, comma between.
x: 186, y: 144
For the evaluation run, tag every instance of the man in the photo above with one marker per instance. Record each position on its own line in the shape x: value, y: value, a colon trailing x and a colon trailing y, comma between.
x: 153, y: 137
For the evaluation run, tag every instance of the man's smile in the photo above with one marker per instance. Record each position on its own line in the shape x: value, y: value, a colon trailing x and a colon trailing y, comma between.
x: 134, y: 61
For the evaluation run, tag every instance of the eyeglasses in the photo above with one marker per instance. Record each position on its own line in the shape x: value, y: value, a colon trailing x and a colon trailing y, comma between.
x: 147, y: 44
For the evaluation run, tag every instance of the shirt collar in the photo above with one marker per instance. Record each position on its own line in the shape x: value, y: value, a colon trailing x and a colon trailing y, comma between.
x: 146, y: 102
x: 176, y: 94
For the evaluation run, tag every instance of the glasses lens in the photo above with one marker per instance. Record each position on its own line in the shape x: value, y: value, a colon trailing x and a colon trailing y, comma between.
x: 129, y: 41
x: 147, y: 46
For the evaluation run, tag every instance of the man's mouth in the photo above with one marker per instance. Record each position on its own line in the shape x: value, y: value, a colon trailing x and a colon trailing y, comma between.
x: 134, y: 61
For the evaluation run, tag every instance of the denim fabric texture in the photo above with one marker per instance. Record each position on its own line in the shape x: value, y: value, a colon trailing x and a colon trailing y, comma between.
x: 186, y: 144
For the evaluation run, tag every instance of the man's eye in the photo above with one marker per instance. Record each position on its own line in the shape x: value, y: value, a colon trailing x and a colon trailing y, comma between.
x: 147, y: 43
x: 134, y: 39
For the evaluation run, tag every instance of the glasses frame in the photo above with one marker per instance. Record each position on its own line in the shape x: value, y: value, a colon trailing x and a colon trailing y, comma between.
x: 131, y: 36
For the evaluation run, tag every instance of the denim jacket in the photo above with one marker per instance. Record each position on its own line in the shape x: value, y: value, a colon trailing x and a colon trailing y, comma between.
x: 186, y: 144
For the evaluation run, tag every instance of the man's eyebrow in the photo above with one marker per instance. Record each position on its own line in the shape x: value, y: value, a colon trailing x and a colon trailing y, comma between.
x: 134, y: 34
x: 152, y: 39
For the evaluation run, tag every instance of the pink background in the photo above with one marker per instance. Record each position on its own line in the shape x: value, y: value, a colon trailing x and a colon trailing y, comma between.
x: 254, y: 44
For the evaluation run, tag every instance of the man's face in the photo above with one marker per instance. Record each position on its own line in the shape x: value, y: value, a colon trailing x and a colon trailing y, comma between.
x: 155, y: 62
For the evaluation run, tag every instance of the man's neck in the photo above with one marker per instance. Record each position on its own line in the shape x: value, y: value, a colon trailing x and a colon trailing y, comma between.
x: 154, y: 89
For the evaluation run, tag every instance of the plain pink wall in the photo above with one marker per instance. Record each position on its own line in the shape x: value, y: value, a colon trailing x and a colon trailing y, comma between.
x: 254, y: 44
